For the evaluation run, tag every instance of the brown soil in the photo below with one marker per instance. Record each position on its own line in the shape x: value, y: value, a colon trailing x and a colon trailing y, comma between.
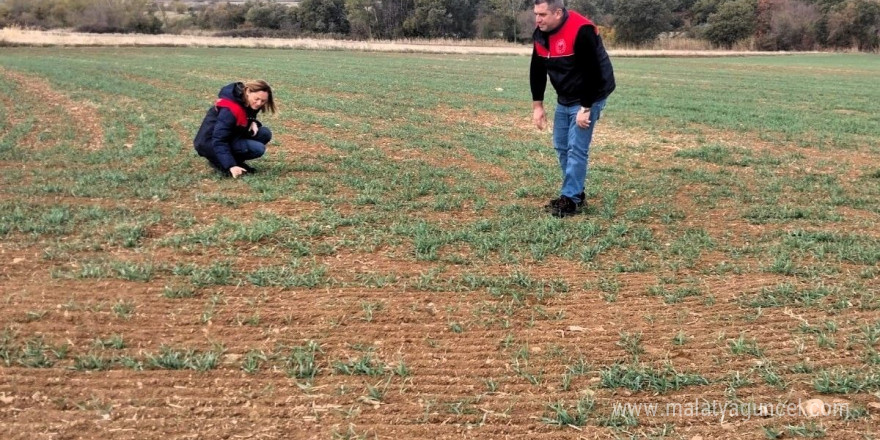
x: 482, y: 365
x: 88, y: 125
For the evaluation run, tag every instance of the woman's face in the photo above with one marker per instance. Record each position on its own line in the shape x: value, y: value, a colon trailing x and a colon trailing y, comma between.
x: 256, y: 100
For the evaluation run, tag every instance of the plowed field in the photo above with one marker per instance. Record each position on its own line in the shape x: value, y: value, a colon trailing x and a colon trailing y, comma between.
x: 389, y: 272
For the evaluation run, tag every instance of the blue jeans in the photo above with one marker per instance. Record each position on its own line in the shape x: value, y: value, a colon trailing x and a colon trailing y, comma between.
x: 572, y: 145
x: 246, y: 148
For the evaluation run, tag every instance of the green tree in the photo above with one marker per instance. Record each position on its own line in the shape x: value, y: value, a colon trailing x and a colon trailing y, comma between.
x: 681, y: 12
x: 786, y: 25
x: 826, y: 5
x: 428, y: 19
x: 362, y: 17
x: 440, y: 18
x: 390, y: 15
x: 734, y: 21
x: 855, y: 23
x: 141, y: 17
x: 587, y: 8
x: 703, y: 9
x: 178, y: 7
x: 323, y: 16
x: 117, y: 16
x: 25, y: 13
x: 508, y: 12
x: 641, y: 21
x: 43, y: 13
x: 606, y: 6
x: 223, y: 16
x: 492, y: 24
x: 270, y: 16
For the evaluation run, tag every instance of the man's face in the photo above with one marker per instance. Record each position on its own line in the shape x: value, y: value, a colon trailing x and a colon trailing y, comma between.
x: 545, y: 19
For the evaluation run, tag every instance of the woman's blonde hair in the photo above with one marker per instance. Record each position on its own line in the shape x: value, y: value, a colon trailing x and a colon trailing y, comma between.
x: 261, y: 86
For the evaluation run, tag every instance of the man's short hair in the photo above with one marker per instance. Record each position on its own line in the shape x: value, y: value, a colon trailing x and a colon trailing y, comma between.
x: 552, y: 4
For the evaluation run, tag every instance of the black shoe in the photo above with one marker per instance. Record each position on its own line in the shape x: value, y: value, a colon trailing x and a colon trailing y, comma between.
x: 549, y: 206
x: 248, y: 168
x: 564, y: 207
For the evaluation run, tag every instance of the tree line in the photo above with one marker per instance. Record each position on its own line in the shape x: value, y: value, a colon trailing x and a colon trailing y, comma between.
x: 764, y: 24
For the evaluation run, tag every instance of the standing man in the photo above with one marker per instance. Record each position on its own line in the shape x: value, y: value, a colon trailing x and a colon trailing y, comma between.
x: 569, y: 49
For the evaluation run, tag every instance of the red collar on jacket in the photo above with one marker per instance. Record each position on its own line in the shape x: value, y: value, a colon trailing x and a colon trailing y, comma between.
x: 560, y: 41
x: 235, y: 108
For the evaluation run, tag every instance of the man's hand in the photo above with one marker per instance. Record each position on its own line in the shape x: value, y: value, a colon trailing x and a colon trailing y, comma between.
x: 538, y: 115
x: 254, y: 128
x: 237, y: 171
x: 583, y: 118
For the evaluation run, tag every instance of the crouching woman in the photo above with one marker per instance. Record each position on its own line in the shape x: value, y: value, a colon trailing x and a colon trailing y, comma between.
x: 230, y: 134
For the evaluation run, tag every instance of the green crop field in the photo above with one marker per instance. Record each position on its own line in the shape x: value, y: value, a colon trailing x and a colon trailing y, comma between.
x: 390, y: 273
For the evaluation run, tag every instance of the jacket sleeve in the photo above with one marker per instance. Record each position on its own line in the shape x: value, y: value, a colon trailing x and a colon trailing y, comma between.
x: 222, y: 138
x: 586, y: 46
x: 537, y: 76
x: 252, y: 117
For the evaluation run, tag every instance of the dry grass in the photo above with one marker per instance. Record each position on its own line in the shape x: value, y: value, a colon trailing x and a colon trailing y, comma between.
x: 29, y: 37
x: 16, y: 36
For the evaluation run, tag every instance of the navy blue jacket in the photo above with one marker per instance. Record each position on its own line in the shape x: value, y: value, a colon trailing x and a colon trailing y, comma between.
x: 574, y: 58
x: 219, y: 129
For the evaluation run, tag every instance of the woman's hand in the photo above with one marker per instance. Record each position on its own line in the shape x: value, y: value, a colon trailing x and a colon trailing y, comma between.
x: 237, y: 171
x: 254, y: 129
